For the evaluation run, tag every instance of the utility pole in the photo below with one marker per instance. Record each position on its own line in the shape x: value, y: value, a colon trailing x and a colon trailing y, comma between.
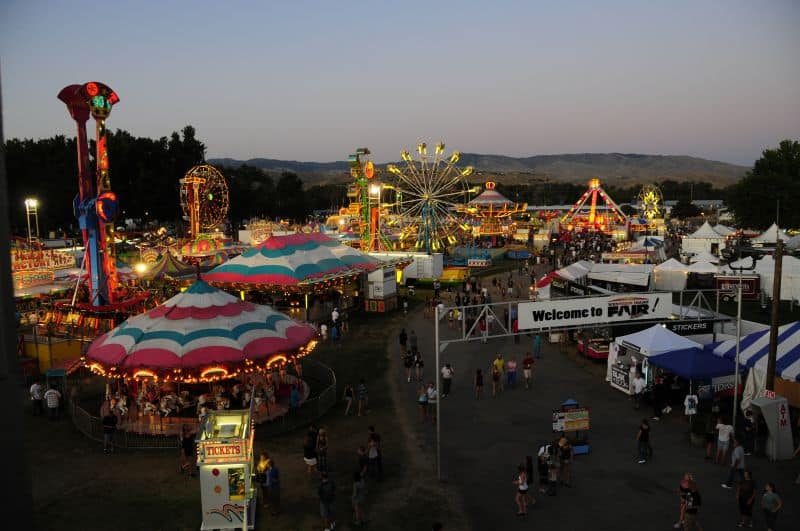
x: 776, y: 304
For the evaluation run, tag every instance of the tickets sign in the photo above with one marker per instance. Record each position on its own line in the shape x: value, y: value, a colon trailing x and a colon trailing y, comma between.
x: 594, y: 310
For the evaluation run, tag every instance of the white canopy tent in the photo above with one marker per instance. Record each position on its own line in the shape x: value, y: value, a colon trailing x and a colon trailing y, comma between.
x: 631, y: 274
x: 770, y: 236
x: 670, y: 275
x: 793, y: 242
x: 649, y: 342
x: 722, y: 230
x: 703, y: 256
x: 703, y: 268
x: 575, y: 271
x: 703, y: 239
x: 765, y: 268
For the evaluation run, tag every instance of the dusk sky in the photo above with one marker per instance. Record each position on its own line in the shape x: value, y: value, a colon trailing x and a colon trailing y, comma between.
x: 314, y: 80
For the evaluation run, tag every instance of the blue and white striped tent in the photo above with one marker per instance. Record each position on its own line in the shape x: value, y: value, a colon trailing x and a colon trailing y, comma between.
x: 754, y: 350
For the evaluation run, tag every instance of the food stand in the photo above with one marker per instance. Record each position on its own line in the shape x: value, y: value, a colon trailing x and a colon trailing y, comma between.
x: 574, y: 422
x: 226, y: 466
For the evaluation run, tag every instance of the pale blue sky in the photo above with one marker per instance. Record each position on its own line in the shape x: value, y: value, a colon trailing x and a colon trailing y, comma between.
x: 314, y: 80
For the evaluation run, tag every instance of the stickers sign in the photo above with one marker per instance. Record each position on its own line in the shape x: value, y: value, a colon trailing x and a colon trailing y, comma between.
x: 594, y: 310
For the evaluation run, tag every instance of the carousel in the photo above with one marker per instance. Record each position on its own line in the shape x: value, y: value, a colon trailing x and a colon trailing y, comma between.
x: 307, y: 266
x: 172, y: 356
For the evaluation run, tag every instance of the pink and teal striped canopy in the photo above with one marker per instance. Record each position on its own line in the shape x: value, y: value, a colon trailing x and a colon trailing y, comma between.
x: 199, y: 328
x: 293, y: 260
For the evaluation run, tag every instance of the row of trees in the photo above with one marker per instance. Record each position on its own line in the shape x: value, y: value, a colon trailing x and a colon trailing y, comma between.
x: 145, y: 174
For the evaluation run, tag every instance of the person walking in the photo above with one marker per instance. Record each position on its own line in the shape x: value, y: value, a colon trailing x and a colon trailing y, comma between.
x: 348, y: 398
x: 447, y: 379
x: 537, y: 346
x: 522, y: 494
x: 412, y: 341
x: 643, y: 441
x: 53, y: 400
x: 374, y: 453
x: 693, y: 503
x: 496, y: 378
x: 322, y: 450
x: 188, y: 450
x: 478, y: 384
x: 500, y: 366
x: 639, y: 384
x: 327, y: 495
x: 746, y: 497
x: 357, y: 498
x: 109, y: 427
x: 433, y: 395
x: 262, y: 468
x: 527, y: 369
x: 565, y: 455
x: 771, y: 504
x: 36, y: 398
x: 274, y: 487
x: 683, y: 490
x: 403, y: 338
x: 419, y: 364
x: 310, y: 453
x: 737, y: 465
x: 363, y: 398
x: 422, y: 403
x: 408, y: 363
x: 511, y: 373
x: 542, y: 468
x: 724, y: 431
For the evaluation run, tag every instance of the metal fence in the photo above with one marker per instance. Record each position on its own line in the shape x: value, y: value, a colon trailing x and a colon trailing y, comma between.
x: 323, y: 395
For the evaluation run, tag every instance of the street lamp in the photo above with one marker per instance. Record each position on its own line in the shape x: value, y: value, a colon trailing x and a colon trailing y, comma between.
x: 32, y: 207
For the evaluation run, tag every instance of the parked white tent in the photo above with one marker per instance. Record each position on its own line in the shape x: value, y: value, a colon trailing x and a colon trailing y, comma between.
x: 765, y: 268
x: 770, y: 236
x: 721, y: 229
x: 575, y: 271
x: 630, y: 274
x: 703, y: 256
x: 670, y: 275
x: 703, y: 239
x: 703, y: 268
x: 793, y: 242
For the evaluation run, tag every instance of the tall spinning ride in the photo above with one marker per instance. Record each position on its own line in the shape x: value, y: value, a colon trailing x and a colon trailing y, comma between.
x: 428, y: 193
x: 95, y: 205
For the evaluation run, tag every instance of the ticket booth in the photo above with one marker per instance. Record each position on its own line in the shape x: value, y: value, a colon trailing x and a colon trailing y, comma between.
x: 574, y: 422
x: 226, y: 467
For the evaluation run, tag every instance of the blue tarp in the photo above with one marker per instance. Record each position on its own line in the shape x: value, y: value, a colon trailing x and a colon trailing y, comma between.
x: 693, y: 364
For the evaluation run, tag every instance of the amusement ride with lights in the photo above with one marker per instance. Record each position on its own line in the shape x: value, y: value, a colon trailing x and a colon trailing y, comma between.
x: 609, y: 218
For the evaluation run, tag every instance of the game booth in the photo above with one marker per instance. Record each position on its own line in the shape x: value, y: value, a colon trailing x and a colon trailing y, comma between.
x: 226, y: 466
x: 574, y: 422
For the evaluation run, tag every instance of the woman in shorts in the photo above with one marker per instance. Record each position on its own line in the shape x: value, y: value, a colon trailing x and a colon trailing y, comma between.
x: 408, y: 363
x: 418, y: 364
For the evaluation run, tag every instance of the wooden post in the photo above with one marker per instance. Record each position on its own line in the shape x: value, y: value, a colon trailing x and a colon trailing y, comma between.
x: 776, y: 304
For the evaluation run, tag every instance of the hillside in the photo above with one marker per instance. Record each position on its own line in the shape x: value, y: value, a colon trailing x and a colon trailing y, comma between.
x: 619, y: 169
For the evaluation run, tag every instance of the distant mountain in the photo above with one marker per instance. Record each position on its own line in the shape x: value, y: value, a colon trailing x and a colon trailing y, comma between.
x: 619, y: 169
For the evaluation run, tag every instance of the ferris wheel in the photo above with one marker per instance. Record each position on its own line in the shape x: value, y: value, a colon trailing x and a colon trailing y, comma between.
x: 650, y: 201
x: 427, y: 191
x: 204, y: 198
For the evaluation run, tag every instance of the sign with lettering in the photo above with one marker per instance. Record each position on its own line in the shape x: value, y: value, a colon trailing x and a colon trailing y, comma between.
x: 211, y: 452
x: 687, y: 328
x: 621, y: 378
x: 571, y: 420
x: 594, y: 310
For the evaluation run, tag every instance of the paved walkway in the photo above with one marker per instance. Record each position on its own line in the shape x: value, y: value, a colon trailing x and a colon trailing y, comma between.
x: 483, y: 442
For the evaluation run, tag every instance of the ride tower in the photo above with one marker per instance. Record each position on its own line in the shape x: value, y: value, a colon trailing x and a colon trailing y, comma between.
x: 95, y: 206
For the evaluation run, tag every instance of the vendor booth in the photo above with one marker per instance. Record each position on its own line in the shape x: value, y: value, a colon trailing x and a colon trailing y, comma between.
x: 225, y: 463
x: 574, y: 422
x: 775, y: 411
x: 631, y: 353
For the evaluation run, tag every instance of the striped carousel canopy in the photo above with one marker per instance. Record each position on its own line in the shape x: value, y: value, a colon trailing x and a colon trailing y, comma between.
x: 200, y: 330
x: 293, y: 260
x: 491, y: 197
x: 168, y: 267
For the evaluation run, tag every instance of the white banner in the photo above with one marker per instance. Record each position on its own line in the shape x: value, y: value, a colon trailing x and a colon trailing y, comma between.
x: 594, y: 310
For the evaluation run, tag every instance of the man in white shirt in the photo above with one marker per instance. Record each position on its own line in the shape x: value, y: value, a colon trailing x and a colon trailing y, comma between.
x: 447, y: 379
x: 36, y: 398
x: 335, y: 315
x: 53, y: 400
x: 639, y: 384
x: 724, y: 432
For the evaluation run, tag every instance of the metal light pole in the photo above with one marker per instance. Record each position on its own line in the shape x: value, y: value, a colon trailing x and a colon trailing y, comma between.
x: 738, y: 346
x: 438, y: 396
x: 776, y: 305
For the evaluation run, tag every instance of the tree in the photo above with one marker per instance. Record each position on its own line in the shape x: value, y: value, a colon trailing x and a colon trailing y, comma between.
x: 290, y: 201
x: 684, y: 209
x: 774, y: 177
